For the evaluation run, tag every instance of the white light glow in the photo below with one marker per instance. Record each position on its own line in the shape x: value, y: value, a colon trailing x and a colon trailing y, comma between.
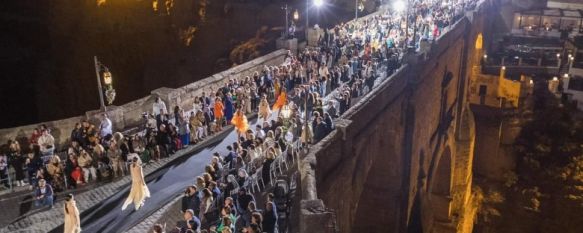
x: 318, y: 3
x: 399, y: 5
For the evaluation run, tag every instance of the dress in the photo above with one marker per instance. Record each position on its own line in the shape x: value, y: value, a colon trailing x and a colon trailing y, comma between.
x: 72, y: 223
x: 240, y: 122
x: 280, y: 102
x: 229, y: 110
x: 139, y: 191
x: 264, y: 111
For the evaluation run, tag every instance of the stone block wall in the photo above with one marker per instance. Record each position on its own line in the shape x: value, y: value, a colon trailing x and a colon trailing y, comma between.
x: 401, y: 159
x: 130, y: 114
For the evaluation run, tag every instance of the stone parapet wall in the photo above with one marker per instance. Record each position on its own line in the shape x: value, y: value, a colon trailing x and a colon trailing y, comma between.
x: 130, y: 114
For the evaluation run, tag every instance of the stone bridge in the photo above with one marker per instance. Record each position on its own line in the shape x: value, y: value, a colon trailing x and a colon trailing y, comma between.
x: 401, y: 159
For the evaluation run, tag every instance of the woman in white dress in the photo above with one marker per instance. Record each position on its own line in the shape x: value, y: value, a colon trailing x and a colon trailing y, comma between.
x: 264, y: 110
x: 72, y: 223
x: 139, y: 191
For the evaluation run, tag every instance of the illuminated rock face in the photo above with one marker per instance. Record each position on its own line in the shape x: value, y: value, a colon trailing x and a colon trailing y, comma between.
x: 401, y: 159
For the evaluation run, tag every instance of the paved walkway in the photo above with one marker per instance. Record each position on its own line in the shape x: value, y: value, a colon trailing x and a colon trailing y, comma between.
x: 44, y: 221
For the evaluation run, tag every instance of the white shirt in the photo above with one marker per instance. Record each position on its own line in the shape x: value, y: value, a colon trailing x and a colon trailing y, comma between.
x: 106, y: 127
x: 46, y: 140
x: 159, y: 108
x: 260, y: 134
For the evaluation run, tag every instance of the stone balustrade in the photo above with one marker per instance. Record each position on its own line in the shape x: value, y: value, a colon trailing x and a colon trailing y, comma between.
x: 129, y: 115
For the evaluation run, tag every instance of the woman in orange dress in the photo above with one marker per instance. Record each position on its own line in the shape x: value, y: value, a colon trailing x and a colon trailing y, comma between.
x: 280, y: 102
x: 240, y: 122
x: 219, y: 113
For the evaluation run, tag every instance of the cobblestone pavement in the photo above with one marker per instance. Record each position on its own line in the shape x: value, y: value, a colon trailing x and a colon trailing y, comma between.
x: 44, y: 221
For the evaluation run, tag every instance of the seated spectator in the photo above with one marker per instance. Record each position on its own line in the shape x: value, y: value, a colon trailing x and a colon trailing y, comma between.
x: 86, y: 163
x: 55, y: 170
x: 4, y: 169
x: 33, y: 164
x: 43, y: 194
x: 47, y: 144
x: 100, y: 158
x: 33, y: 140
x: 73, y: 171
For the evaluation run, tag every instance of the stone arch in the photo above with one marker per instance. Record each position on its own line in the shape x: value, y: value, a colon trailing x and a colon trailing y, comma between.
x: 441, y: 184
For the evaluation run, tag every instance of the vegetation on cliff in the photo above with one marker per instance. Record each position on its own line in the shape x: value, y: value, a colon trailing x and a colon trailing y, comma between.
x: 545, y: 192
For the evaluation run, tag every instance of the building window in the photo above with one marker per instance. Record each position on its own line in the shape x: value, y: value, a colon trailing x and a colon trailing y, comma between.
x: 576, y: 84
x: 578, y: 61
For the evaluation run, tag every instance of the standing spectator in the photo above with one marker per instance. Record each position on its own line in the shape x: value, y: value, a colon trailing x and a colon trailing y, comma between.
x: 105, y: 128
x: 270, y: 218
x: 191, y: 200
x: 229, y: 108
x: 114, y: 156
x: 159, y: 109
x: 243, y: 200
x: 205, y: 205
x: 158, y: 228
x: 183, y: 128
x: 219, y: 114
x: 191, y: 222
x: 43, y: 194
x: 17, y: 160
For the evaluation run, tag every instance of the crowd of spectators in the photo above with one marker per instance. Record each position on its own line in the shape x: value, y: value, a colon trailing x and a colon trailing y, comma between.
x: 343, y: 67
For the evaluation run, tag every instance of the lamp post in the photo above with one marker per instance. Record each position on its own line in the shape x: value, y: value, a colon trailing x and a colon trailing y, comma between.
x: 357, y: 7
x: 107, y: 81
x: 399, y: 6
x: 285, y: 33
x: 317, y: 3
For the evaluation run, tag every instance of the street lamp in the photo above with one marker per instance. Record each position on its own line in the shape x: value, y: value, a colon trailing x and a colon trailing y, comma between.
x: 318, y: 3
x: 107, y: 82
x: 286, y: 29
x: 399, y: 6
x: 296, y: 15
x: 358, y: 7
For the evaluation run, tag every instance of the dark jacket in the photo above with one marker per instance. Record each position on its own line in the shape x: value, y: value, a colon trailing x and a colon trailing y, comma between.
x: 269, y: 221
x: 191, y: 202
x: 49, y: 191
